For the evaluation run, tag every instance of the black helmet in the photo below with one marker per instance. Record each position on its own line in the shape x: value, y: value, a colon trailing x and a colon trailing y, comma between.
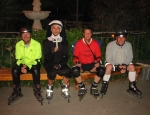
x: 25, y: 29
x: 122, y: 33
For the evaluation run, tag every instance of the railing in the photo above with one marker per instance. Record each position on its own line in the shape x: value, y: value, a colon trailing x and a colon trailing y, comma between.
x: 7, y: 45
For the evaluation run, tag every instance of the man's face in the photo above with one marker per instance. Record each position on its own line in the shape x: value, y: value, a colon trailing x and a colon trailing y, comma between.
x: 120, y: 40
x: 87, y: 34
x: 26, y: 37
x: 55, y: 30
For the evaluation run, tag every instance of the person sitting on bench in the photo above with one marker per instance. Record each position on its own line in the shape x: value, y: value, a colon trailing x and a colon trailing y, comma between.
x: 28, y: 54
x: 87, y: 57
x: 55, y: 50
x: 119, y: 56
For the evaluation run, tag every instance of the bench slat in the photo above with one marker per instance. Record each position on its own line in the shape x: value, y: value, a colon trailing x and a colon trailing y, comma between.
x: 6, y: 75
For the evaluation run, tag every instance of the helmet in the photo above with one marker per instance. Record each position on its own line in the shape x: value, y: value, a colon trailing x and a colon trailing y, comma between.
x: 121, y: 33
x: 57, y: 22
x: 25, y: 29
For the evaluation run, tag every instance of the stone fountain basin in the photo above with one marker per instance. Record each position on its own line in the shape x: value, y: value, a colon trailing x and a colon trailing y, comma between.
x: 36, y: 15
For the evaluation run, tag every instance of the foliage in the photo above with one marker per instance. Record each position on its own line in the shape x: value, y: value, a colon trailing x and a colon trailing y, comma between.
x: 10, y: 13
x: 112, y: 14
x: 70, y: 8
x: 39, y: 36
x: 144, y: 48
x: 72, y: 35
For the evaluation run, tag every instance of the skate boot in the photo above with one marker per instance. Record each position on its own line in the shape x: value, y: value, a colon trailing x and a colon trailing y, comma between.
x: 94, y: 91
x: 82, y: 90
x: 65, y: 92
x: 134, y: 90
x: 49, y: 93
x: 37, y: 93
x: 16, y: 94
x: 104, y: 88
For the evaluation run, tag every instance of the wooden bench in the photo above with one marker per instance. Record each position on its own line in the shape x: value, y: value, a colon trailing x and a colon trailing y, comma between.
x: 88, y: 75
x: 5, y: 75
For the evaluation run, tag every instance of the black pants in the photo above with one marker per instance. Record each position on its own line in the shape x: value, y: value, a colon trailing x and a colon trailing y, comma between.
x: 35, y: 71
x: 63, y: 71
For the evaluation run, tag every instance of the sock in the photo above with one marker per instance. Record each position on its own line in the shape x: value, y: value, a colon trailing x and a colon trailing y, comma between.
x: 132, y: 76
x: 106, y: 77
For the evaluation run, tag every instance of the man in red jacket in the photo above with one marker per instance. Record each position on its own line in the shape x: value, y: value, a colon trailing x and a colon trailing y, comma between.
x: 87, y: 57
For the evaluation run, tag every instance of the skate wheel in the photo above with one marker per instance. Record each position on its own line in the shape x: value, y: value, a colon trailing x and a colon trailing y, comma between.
x: 9, y: 103
x: 140, y: 96
x: 48, y: 101
x: 68, y: 100
x: 80, y: 98
x: 97, y: 98
x: 102, y: 96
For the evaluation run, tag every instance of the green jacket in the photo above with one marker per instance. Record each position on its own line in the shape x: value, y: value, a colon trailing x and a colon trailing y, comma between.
x: 28, y: 55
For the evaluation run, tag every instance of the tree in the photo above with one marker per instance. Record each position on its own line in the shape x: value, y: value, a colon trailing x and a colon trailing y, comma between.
x: 70, y: 6
x: 113, y: 14
x: 10, y: 14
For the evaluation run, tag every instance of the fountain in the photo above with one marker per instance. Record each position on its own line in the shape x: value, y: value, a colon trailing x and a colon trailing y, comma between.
x: 36, y: 15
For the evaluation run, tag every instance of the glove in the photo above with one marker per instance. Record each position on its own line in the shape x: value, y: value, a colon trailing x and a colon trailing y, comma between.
x: 57, y: 66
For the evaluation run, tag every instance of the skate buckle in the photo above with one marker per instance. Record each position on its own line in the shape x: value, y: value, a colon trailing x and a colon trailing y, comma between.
x: 64, y: 90
x: 49, y: 92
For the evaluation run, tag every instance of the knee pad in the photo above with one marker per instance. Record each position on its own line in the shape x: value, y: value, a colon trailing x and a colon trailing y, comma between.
x: 65, y: 72
x: 75, y: 71
x: 51, y: 75
x: 68, y: 74
x: 100, y: 71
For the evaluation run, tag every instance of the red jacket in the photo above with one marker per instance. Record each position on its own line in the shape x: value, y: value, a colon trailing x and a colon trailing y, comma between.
x: 83, y: 54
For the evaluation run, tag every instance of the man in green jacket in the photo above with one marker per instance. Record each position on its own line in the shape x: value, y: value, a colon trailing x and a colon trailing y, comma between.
x: 28, y: 54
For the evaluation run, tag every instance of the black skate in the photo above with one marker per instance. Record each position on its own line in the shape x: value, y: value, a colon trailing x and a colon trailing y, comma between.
x: 37, y: 93
x: 94, y: 91
x: 81, y: 93
x: 16, y: 94
x: 134, y: 90
x: 49, y: 93
x: 104, y: 88
x: 65, y: 92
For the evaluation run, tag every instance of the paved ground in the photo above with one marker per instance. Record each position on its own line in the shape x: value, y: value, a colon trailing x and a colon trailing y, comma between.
x: 116, y: 102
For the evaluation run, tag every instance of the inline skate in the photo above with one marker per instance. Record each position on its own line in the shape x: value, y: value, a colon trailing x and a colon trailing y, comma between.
x: 16, y: 94
x: 49, y: 93
x: 37, y: 93
x: 104, y: 88
x: 94, y: 91
x: 65, y: 92
x: 134, y: 90
x: 82, y: 92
